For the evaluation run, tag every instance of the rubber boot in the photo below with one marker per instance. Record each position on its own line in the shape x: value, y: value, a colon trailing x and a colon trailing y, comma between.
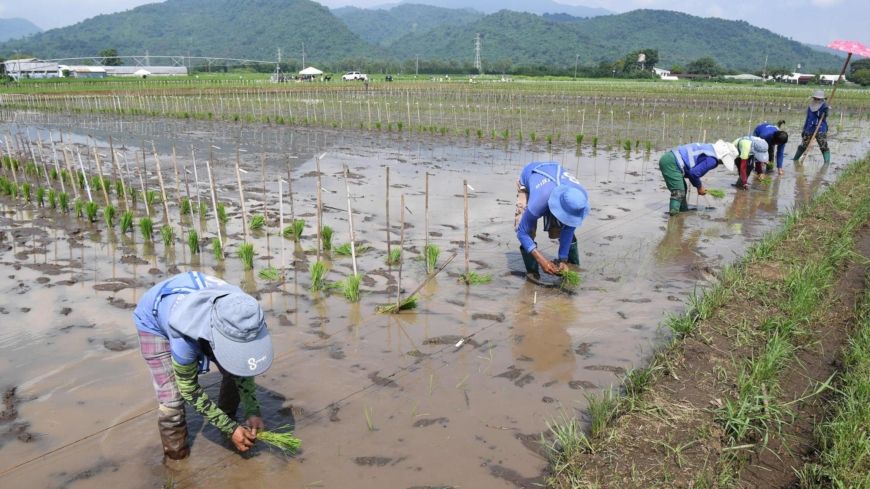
x: 228, y: 399
x: 574, y: 253
x: 173, y: 432
x: 827, y: 156
x: 530, y: 263
x: 798, y: 153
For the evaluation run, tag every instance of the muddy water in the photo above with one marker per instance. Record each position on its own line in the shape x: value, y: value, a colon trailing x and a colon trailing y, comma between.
x: 379, y: 401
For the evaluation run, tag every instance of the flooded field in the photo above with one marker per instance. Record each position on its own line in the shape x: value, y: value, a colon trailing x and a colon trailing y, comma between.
x: 453, y: 394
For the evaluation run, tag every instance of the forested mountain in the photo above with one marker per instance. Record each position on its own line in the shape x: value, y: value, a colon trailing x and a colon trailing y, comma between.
x: 530, y: 6
x: 252, y: 29
x: 15, y: 28
x: 511, y: 38
x: 382, y: 26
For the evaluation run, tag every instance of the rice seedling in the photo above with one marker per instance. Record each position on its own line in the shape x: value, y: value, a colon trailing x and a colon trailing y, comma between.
x: 717, y: 193
x: 25, y: 191
x: 317, y: 271
x: 40, y: 196
x: 326, y: 234
x: 146, y: 227
x: 432, y: 251
x: 474, y: 278
x: 63, y: 199
x: 53, y: 174
x: 81, y: 179
x: 65, y: 176
x: 203, y: 209
x: 127, y: 221
x: 595, y: 142
x: 281, y: 438
x: 193, y: 241
x: 570, y: 279
x: 294, y: 231
x: 168, y: 235
x: 119, y: 189
x: 109, y: 215
x: 96, y: 183
x: 217, y: 249
x: 395, y: 256
x: 150, y: 198
x: 79, y: 208
x: 579, y: 139
x: 258, y: 221
x: 91, y: 210
x: 350, y: 287
x: 626, y: 146
x: 345, y: 249
x: 270, y: 273
x: 246, y: 254
x: 185, y: 206
x: 406, y: 303
x: 222, y: 213
x: 52, y: 198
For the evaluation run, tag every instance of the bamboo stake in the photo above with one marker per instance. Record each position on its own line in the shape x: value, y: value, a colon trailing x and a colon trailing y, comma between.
x: 142, y: 185
x: 241, y: 193
x: 196, y: 183
x: 465, y: 192
x: 162, y: 187
x: 123, y: 183
x: 319, y: 207
x: 41, y: 159
x: 177, y: 184
x: 426, y: 226
x: 54, y: 159
x: 350, y: 221
x: 84, y: 175
x: 69, y: 169
x: 281, y: 222
x: 100, y: 175
x: 401, y: 248
x: 115, y: 165
x: 11, y: 165
x: 214, y: 203
x: 265, y: 208
x: 290, y: 191
x: 387, y: 205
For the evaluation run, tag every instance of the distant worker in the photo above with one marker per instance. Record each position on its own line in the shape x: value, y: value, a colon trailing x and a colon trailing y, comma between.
x: 817, y: 117
x: 545, y: 189
x: 693, y: 161
x: 184, y: 323
x: 750, y: 150
x: 776, y: 139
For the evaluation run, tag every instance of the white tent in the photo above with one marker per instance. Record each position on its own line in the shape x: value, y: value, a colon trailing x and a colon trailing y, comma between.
x: 142, y: 72
x: 311, y: 71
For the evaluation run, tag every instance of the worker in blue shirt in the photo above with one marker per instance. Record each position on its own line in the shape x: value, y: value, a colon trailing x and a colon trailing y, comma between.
x: 776, y: 139
x: 817, y: 116
x: 546, y: 190
x: 692, y: 161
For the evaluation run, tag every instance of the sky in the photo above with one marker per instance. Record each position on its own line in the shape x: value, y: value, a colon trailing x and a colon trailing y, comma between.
x: 811, y: 21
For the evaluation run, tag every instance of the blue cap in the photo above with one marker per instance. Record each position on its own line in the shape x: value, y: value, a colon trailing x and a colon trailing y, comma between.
x: 240, y: 340
x: 569, y: 204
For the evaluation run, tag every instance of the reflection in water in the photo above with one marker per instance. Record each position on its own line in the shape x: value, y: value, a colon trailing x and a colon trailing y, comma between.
x: 542, y: 338
x: 674, y: 248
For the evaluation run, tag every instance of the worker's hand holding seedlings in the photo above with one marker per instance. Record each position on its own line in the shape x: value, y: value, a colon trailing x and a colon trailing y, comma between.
x: 547, y: 191
x: 751, y: 151
x: 691, y: 162
x: 186, y: 322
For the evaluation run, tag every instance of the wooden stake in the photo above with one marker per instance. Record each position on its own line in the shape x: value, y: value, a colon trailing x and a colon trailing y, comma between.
x: 350, y: 221
x: 402, y: 249
x: 319, y: 207
x: 177, y: 183
x: 162, y: 187
x: 214, y: 203
x: 69, y: 169
x: 281, y: 221
x: 465, y: 192
x: 426, y: 226
x: 142, y: 185
x: 84, y: 175
x: 11, y: 165
x: 387, y: 205
x: 100, y: 175
x: 241, y: 193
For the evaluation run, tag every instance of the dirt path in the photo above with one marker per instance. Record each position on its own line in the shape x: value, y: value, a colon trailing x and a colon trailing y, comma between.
x: 733, y: 402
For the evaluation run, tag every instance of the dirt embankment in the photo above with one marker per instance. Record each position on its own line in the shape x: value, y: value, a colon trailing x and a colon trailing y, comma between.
x: 733, y: 401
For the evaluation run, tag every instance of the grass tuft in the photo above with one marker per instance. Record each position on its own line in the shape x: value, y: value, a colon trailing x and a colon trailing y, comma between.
x: 109, y: 215
x: 168, y: 235
x: 146, y: 227
x: 222, y: 213
x: 432, y: 252
x: 126, y: 221
x: 395, y: 256
x: 326, y: 234
x: 258, y: 221
x: 717, y: 193
x: 350, y: 287
x: 246, y: 254
x: 217, y: 249
x: 193, y: 241
x: 294, y: 230
x: 91, y: 210
x: 318, y: 275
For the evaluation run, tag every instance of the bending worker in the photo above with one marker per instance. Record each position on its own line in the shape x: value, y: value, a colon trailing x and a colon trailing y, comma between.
x: 817, y: 117
x: 692, y: 161
x: 750, y: 149
x: 184, y: 323
x: 547, y: 190
x: 775, y: 138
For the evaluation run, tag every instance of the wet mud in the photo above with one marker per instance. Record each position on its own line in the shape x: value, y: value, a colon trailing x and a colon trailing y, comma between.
x: 465, y: 382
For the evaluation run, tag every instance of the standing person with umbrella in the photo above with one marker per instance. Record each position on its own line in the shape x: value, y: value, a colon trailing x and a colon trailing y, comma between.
x: 815, y: 123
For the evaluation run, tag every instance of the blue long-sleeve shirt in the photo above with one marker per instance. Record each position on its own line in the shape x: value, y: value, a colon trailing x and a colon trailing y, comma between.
x: 695, y: 160
x: 703, y: 164
x: 813, y: 119
x: 765, y: 131
x: 538, y: 179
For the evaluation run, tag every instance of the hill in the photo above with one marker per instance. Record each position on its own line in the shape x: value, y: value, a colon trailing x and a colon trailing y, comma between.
x: 15, y: 28
x: 526, y: 39
x: 251, y: 29
x: 384, y: 26
x: 529, y: 6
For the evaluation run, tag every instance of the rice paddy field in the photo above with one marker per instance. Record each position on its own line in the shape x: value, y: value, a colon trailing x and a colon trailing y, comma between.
x: 108, y: 188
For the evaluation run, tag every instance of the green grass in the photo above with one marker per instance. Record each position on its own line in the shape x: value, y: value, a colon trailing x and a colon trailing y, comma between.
x: 168, y: 235
x: 395, y: 256
x: 258, y: 221
x: 474, y: 278
x: 716, y: 193
x: 222, y: 213
x: 294, y: 230
x: 432, y: 252
x: 393, y: 308
x: 270, y: 273
x: 109, y: 215
x: 127, y: 221
x: 350, y: 287
x: 146, y: 227
x: 91, y: 210
x: 193, y: 241
x: 246, y: 254
x: 281, y: 438
x: 217, y: 249
x: 570, y: 279
x: 326, y: 235
x: 317, y: 272
x: 601, y: 410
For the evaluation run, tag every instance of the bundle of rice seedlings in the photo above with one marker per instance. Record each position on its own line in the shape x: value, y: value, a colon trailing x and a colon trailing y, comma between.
x: 474, y: 278
x: 395, y: 256
x: 79, y: 208
x: 326, y: 234
x: 281, y: 438
x: 109, y: 215
x: 570, y: 279
x: 146, y: 226
x: 257, y: 222
x: 40, y: 196
x: 25, y: 191
x: 350, y: 287
x: 318, y: 275
x: 91, y: 209
x: 270, y: 274
x: 185, y: 206
x: 717, y: 193
x: 432, y: 251
x: 168, y: 235
x: 222, y: 213
x: 405, y: 304
x: 126, y: 221
x: 63, y: 198
x: 246, y: 254
x: 52, y: 198
x: 294, y: 231
x: 217, y: 249
x: 193, y: 241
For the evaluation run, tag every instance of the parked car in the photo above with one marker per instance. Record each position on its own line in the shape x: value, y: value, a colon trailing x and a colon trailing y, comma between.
x: 354, y: 75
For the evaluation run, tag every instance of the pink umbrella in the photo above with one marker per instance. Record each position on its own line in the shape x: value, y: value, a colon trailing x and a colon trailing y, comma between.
x: 851, y: 47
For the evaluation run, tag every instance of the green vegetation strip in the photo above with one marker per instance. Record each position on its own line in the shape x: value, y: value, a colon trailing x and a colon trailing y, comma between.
x: 713, y: 401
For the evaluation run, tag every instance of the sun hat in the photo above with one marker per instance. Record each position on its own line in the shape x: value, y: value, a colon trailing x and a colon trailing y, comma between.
x: 569, y: 204
x: 240, y: 340
x: 819, y: 94
x: 726, y: 152
x: 759, y: 150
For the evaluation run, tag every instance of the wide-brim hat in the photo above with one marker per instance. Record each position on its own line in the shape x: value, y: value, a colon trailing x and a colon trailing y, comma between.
x: 759, y: 150
x: 726, y: 152
x: 819, y: 94
x: 240, y: 339
x: 569, y: 204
